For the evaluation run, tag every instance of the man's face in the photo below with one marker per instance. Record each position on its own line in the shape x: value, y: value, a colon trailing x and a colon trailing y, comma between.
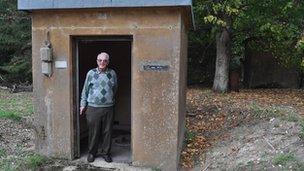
x: 102, y: 62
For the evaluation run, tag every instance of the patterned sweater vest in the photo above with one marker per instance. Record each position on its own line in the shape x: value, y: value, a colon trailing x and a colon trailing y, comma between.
x: 99, y: 88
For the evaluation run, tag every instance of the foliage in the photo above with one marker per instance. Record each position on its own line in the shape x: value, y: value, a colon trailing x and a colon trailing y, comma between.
x: 201, y: 52
x: 277, y: 30
x: 235, y: 64
x: 18, y: 69
x: 15, y: 38
x: 270, y: 26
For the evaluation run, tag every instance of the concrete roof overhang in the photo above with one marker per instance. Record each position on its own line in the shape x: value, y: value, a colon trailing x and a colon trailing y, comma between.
x: 31, y: 5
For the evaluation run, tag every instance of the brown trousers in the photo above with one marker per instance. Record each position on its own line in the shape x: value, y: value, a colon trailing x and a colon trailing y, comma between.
x: 100, y: 123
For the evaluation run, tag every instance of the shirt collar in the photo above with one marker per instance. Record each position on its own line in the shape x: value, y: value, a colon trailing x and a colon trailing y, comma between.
x: 98, y: 71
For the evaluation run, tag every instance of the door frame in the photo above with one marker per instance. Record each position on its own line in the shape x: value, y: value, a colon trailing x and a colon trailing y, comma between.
x: 75, y: 40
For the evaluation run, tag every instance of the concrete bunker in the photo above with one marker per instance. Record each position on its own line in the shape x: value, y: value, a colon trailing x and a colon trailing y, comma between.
x: 147, y: 41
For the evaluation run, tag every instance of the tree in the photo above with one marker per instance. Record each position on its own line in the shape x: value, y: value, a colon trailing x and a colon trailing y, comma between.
x: 221, y: 15
x: 201, y: 49
x: 15, y: 43
x: 268, y: 25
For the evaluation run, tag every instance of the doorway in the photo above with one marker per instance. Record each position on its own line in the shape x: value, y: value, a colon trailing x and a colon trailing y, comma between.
x: 85, y: 51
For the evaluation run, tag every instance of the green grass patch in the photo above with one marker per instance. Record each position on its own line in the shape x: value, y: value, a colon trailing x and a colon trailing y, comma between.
x: 12, y: 164
x: 189, y: 136
x: 263, y: 112
x: 2, y: 152
x: 156, y: 169
x: 34, y: 160
x: 15, y: 105
x: 29, y: 109
x: 279, y: 112
x: 274, y: 111
x: 301, y: 133
x: 291, y: 117
x: 30, y: 161
x: 249, y: 165
x: 10, y: 115
x: 283, y: 159
x: 288, y: 161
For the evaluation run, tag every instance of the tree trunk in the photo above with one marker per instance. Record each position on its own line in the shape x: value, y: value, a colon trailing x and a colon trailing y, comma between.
x: 220, y: 83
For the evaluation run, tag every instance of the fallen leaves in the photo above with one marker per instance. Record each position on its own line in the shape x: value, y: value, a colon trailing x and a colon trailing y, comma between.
x: 193, y: 149
x: 211, y: 115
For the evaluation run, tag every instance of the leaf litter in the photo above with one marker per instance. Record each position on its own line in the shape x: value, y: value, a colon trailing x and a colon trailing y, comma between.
x: 212, y: 117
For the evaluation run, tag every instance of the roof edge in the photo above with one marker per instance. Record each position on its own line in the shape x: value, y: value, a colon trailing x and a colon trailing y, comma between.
x: 71, y: 4
x: 32, y: 5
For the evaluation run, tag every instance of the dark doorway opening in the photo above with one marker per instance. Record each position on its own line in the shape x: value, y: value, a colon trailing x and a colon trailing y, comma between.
x: 85, y: 51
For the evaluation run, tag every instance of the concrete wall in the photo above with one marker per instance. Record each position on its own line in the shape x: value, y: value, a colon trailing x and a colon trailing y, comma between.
x: 183, y: 83
x: 158, y: 97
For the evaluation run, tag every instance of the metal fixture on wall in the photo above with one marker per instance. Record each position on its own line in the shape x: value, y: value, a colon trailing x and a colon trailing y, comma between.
x: 46, y: 56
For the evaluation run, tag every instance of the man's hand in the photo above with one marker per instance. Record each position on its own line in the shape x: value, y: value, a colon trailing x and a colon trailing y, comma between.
x: 82, y: 110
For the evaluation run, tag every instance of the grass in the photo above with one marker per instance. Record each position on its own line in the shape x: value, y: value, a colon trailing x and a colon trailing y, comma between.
x: 156, y: 169
x: 189, y: 136
x: 34, y: 160
x: 301, y: 134
x: 288, y: 160
x: 2, y: 152
x: 14, y: 106
x: 279, y: 112
x: 283, y: 159
x: 250, y: 165
x: 275, y: 111
x: 5, y: 165
x: 30, y: 161
x: 265, y: 112
x: 10, y: 115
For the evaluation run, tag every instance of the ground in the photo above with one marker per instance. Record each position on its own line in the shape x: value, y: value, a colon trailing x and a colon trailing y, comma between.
x: 249, y: 130
x: 260, y: 129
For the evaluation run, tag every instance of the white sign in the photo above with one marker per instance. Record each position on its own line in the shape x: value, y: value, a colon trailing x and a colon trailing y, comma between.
x: 61, y: 64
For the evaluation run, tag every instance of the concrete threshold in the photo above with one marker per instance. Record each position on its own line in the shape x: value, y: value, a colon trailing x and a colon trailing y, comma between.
x: 113, y: 166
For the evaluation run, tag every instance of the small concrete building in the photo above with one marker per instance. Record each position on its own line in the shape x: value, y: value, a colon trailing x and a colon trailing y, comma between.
x: 147, y: 43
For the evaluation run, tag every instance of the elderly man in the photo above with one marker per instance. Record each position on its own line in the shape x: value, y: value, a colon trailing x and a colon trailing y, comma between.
x: 97, y: 101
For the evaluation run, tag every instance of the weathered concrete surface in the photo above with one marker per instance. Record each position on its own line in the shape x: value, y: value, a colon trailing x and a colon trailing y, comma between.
x: 183, y: 84
x: 158, y: 97
x: 119, y: 166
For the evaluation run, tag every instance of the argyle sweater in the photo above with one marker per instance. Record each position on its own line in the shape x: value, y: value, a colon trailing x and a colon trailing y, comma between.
x: 99, y: 88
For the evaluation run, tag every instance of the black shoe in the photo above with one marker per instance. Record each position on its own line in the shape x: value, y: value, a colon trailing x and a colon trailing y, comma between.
x: 90, y: 158
x: 108, y: 158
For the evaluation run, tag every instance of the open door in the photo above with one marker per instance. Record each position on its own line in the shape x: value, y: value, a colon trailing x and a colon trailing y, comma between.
x: 85, y: 51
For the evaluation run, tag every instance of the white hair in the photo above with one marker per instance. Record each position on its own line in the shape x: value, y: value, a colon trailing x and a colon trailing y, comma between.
x: 105, y: 55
